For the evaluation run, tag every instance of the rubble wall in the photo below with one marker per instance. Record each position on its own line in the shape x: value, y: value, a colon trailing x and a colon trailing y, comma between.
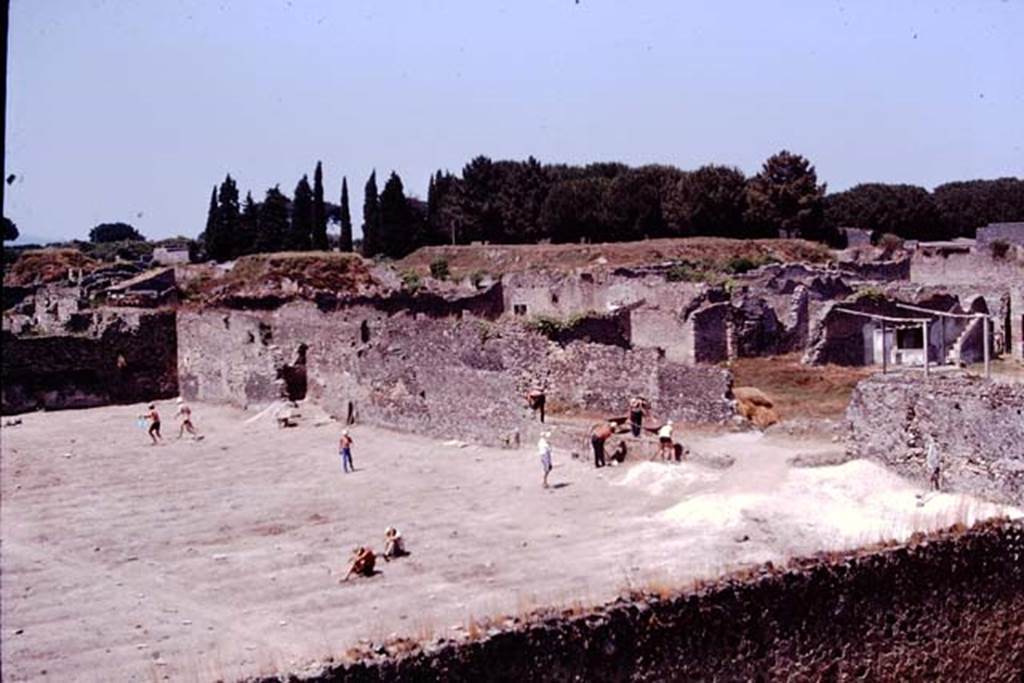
x: 945, y: 609
x: 977, y: 426
x: 444, y: 377
x: 123, y: 357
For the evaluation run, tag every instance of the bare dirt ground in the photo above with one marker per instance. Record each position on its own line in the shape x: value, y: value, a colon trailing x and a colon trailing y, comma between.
x: 221, y: 558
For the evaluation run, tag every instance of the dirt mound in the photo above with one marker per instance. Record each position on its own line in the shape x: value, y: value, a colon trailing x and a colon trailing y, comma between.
x: 711, y: 253
x: 798, y: 390
x: 46, y: 265
x: 284, y: 276
x: 754, y: 404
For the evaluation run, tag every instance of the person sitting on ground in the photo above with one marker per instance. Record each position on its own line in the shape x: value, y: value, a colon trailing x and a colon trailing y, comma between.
x: 154, y: 423
x: 665, y: 447
x: 286, y: 416
x: 363, y: 562
x: 535, y: 399
x: 618, y: 456
x: 394, y: 546
x: 185, y: 415
x: 544, y: 450
x: 598, y: 435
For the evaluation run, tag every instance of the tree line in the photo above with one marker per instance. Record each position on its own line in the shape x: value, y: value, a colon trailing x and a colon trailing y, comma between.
x: 527, y: 202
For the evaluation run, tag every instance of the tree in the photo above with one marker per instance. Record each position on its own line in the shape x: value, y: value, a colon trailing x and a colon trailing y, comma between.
x: 904, y: 210
x: 221, y: 240
x: 272, y: 222
x: 633, y: 202
x: 573, y: 210
x: 396, y: 224
x: 345, y: 218
x: 114, y: 232
x: 301, y: 233
x: 785, y: 199
x: 245, y: 241
x: 708, y: 201
x: 965, y: 206
x: 371, y: 217
x: 10, y: 230
x: 319, y: 231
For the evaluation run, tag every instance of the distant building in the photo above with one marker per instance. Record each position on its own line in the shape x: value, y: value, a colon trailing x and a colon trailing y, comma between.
x: 170, y: 254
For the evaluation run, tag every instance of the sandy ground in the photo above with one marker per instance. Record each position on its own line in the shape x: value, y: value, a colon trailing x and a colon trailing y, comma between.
x: 221, y: 558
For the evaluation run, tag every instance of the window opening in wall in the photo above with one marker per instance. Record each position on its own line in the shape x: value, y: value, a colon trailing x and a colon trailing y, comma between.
x: 364, y: 332
x: 266, y: 335
x: 519, y: 309
x: 350, y: 418
x: 910, y: 338
x: 554, y: 298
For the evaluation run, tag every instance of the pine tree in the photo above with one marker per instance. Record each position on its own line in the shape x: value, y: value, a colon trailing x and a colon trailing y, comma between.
x: 222, y: 230
x: 319, y: 231
x: 371, y: 218
x: 396, y: 239
x: 211, y: 221
x: 272, y: 222
x: 300, y: 235
x: 346, y: 219
x: 245, y: 243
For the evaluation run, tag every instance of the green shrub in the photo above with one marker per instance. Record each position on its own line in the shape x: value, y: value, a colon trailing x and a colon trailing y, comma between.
x: 684, y: 272
x: 439, y: 269
x: 412, y: 281
x: 890, y: 242
x: 1000, y: 248
x: 478, y: 276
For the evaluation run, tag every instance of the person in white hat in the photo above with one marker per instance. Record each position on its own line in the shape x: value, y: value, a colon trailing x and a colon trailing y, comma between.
x: 394, y: 546
x: 544, y: 450
x: 345, y: 450
x: 665, y: 441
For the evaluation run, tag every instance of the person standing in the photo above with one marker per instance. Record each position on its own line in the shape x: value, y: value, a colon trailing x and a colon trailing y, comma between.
x: 536, y: 399
x: 154, y: 423
x: 665, y: 445
x: 934, y: 465
x: 185, y: 415
x: 544, y: 450
x: 637, y: 410
x: 598, y: 436
x: 345, y: 450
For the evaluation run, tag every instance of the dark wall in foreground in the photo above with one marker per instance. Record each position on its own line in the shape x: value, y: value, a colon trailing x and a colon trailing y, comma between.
x: 948, y: 609
x: 83, y: 370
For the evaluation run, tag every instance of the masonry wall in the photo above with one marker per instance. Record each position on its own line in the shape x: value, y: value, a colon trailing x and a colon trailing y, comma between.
x: 977, y: 425
x: 83, y: 370
x: 444, y: 377
x: 947, y: 609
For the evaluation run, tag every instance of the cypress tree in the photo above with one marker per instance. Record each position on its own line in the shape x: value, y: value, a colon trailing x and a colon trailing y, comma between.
x: 246, y: 241
x: 319, y: 215
x: 301, y: 233
x: 371, y: 217
x: 211, y: 221
x: 345, y: 243
x: 220, y: 246
x: 272, y: 222
x: 396, y: 239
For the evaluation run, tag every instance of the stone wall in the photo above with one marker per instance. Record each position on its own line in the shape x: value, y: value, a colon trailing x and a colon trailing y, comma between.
x: 977, y: 425
x: 1011, y: 233
x: 122, y: 356
x: 946, y: 609
x: 444, y: 377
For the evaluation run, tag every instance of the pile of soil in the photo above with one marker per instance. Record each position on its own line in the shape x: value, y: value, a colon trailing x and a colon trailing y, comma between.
x: 42, y: 266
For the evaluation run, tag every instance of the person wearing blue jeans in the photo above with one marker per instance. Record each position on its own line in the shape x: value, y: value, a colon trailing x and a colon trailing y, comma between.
x: 345, y: 449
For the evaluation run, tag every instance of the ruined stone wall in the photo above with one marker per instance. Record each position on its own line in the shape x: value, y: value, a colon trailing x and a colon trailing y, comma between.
x: 977, y: 425
x: 974, y: 268
x: 948, y: 609
x: 443, y: 377
x: 123, y: 356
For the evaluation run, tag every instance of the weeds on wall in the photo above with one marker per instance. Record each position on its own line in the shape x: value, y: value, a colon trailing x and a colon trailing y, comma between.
x: 412, y: 281
x: 439, y: 269
x: 1000, y: 249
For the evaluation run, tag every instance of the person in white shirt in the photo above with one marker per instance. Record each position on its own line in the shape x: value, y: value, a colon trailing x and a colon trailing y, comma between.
x: 665, y: 443
x: 544, y: 450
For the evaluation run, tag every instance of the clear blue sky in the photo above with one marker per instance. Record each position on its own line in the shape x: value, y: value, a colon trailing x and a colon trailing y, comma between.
x: 132, y: 110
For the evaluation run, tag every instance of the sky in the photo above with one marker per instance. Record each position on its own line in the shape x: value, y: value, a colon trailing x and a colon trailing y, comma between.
x: 133, y: 111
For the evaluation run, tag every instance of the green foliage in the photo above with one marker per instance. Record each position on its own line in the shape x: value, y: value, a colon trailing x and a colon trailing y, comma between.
x: 318, y: 229
x: 552, y: 327
x: 965, y: 206
x: 786, y: 199
x: 345, y: 218
x: 300, y: 236
x: 396, y: 224
x: 124, y: 250
x: 872, y: 294
x: 478, y: 276
x: 272, y: 222
x: 708, y: 201
x: 371, y: 217
x: 904, y: 210
x: 573, y: 210
x: 411, y: 281
x: 439, y: 269
x: 114, y: 232
x: 684, y: 272
x: 890, y: 242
